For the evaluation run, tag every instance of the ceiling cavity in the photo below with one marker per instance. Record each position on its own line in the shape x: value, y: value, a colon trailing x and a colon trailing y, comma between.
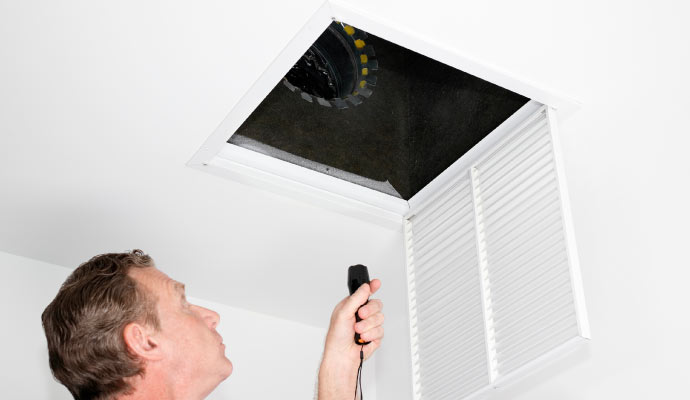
x: 366, y: 110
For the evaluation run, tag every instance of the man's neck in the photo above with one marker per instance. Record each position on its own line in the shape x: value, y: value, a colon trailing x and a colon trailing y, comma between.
x: 157, y: 385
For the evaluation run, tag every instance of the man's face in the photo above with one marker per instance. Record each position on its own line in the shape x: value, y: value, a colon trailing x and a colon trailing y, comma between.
x: 193, y: 350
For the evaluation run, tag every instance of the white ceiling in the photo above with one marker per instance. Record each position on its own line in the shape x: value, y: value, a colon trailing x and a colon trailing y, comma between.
x: 102, y: 103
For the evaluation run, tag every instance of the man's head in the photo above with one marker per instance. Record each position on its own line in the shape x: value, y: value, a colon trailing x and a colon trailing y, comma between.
x: 118, y: 321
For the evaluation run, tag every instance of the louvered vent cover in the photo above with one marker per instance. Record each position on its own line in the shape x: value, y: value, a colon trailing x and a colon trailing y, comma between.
x: 449, y: 315
x: 492, y: 275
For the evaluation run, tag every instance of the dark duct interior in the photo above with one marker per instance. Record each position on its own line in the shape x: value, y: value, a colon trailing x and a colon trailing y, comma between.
x: 421, y: 117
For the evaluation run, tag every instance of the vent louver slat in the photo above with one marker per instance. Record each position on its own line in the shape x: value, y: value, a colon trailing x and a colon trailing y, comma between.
x: 510, y: 176
x: 447, y: 258
x: 542, y: 312
x: 458, y: 217
x: 534, y: 246
x: 530, y: 351
x: 440, y: 208
x: 447, y: 246
x: 518, y: 224
x: 503, y: 154
x: 447, y: 311
x: 491, y: 278
x: 521, y: 272
x: 527, y: 247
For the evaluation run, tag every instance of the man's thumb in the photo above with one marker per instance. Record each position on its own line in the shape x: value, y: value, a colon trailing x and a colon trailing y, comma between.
x: 358, y: 298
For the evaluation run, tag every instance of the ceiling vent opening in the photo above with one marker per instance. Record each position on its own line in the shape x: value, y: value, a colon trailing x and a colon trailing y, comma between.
x: 392, y: 123
x: 358, y: 116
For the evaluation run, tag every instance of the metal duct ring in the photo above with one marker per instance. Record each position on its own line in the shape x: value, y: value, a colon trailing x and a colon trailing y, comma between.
x: 338, y: 70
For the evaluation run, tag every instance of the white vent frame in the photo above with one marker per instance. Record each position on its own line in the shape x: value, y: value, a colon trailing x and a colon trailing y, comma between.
x: 427, y: 198
x: 233, y: 162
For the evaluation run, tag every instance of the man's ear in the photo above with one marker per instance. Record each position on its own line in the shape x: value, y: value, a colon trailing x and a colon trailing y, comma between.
x: 141, y: 342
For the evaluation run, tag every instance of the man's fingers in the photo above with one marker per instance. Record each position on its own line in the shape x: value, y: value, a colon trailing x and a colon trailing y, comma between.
x: 371, y: 308
x: 360, y: 296
x: 371, y: 348
x: 369, y: 323
x: 373, y: 334
x: 374, y: 285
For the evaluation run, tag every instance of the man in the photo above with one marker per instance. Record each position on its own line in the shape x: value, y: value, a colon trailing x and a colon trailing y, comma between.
x: 119, y: 328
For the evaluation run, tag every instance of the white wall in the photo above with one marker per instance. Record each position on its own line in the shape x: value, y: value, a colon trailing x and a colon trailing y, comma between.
x: 393, y: 361
x: 26, y: 288
x: 272, y: 358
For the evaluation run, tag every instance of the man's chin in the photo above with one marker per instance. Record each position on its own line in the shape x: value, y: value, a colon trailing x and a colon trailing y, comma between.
x: 219, y: 374
x: 228, y: 368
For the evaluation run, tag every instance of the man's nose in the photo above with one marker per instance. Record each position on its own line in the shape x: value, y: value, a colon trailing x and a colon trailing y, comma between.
x: 211, y: 317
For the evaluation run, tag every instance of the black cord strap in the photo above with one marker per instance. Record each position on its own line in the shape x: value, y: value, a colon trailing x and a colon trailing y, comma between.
x: 358, y: 382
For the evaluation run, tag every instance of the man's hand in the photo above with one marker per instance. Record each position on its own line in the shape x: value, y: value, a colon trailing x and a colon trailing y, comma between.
x: 338, y: 371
